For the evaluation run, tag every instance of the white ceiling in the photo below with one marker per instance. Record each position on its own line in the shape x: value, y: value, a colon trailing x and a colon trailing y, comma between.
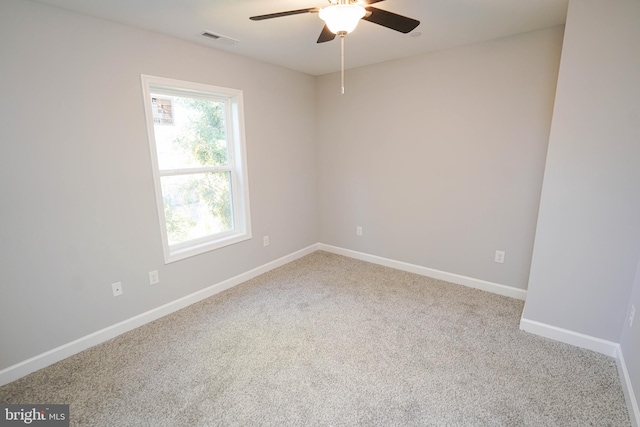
x: 291, y: 41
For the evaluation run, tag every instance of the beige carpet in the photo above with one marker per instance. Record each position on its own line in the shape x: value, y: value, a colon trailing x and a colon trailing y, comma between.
x: 331, y: 341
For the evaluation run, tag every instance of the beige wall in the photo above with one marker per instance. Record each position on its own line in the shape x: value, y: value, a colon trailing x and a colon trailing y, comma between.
x: 440, y: 157
x: 588, y: 239
x: 587, y: 247
x: 77, y: 201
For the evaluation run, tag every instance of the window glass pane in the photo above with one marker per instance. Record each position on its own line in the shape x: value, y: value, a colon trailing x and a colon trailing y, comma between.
x: 197, y: 205
x: 190, y: 132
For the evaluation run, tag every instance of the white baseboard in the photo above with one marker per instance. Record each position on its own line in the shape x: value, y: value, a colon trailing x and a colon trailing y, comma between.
x: 598, y: 345
x: 47, y: 358
x: 50, y: 357
x: 627, y: 388
x: 458, y: 279
x: 609, y: 348
x: 566, y: 336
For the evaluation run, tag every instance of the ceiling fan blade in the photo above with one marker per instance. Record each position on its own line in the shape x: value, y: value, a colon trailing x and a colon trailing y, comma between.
x: 326, y: 35
x: 372, y: 1
x: 287, y: 13
x: 390, y: 20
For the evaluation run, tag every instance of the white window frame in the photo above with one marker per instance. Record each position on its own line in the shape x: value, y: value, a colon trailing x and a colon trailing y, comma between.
x: 237, y: 164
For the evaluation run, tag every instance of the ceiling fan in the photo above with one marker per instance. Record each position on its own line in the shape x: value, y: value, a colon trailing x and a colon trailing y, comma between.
x: 342, y: 16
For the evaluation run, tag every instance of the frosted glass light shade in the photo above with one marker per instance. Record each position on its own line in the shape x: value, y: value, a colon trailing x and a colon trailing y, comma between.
x: 342, y: 18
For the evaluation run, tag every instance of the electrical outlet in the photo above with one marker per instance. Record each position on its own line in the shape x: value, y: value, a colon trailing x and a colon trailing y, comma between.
x: 265, y: 241
x: 632, y: 315
x: 499, y: 258
x: 154, y: 278
x: 358, y: 231
x: 117, y: 289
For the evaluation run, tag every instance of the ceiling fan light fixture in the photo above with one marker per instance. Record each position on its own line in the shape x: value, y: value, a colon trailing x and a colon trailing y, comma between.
x: 342, y: 18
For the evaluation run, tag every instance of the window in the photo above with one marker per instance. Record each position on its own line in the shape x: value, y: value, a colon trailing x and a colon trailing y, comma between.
x: 196, y: 138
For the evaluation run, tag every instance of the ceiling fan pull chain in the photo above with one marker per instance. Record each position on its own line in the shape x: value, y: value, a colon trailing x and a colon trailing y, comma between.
x: 342, y: 61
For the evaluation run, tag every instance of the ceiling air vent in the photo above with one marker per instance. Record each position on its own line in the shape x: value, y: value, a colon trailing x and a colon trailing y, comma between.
x: 219, y: 38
